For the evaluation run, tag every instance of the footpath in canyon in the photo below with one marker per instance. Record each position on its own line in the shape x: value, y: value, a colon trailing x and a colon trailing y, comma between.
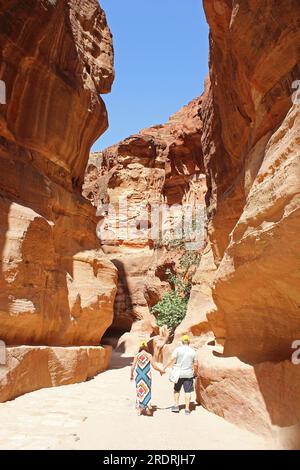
x: 98, y: 414
x: 65, y: 291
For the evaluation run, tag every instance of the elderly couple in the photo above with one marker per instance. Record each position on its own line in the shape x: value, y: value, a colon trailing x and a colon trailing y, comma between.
x: 185, y: 368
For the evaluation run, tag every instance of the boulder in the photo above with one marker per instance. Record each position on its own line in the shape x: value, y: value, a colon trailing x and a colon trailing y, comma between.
x: 263, y: 398
x: 30, y: 368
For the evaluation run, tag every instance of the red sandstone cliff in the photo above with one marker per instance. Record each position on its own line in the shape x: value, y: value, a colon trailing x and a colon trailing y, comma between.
x: 251, y: 155
x: 245, y: 139
x: 56, y: 285
x: 160, y: 165
x: 57, y: 288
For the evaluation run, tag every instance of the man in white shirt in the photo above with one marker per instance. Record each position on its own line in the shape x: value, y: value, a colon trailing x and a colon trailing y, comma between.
x: 185, y: 357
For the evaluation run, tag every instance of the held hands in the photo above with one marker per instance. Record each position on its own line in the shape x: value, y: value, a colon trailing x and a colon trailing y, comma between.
x: 160, y: 369
x: 163, y: 369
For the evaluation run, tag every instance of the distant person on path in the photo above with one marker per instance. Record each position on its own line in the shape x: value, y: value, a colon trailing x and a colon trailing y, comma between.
x: 142, y: 367
x: 185, y: 368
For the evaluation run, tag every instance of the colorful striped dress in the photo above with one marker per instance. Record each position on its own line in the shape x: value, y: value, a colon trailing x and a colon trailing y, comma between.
x: 143, y: 380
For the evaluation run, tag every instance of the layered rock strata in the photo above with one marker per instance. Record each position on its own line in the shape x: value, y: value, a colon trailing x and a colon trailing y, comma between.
x: 56, y: 285
x: 250, y: 146
x: 30, y: 368
x: 159, y: 167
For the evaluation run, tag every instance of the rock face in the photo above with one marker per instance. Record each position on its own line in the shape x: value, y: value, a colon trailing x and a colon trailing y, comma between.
x: 56, y: 286
x: 162, y: 165
x: 249, y: 119
x: 30, y: 368
x: 263, y: 398
x: 236, y: 146
x: 200, y: 303
x: 250, y: 148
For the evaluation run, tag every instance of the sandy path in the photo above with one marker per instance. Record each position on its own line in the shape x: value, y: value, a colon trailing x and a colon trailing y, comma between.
x: 100, y: 414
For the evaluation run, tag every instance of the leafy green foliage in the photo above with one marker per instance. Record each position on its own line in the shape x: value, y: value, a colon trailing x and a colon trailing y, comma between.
x: 181, y: 286
x: 190, y: 259
x: 171, y: 310
x: 169, y: 244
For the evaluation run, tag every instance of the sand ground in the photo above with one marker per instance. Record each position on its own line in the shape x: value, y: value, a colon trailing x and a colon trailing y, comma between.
x: 100, y: 414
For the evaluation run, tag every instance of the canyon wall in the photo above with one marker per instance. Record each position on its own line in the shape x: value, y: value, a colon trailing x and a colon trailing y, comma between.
x: 250, y: 144
x: 57, y: 287
x: 236, y: 148
x: 162, y: 165
x: 242, y: 134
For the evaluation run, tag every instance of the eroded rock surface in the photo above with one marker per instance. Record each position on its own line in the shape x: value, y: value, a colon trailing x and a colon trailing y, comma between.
x: 160, y: 165
x: 56, y: 285
x: 262, y: 398
x: 250, y: 149
x: 30, y: 368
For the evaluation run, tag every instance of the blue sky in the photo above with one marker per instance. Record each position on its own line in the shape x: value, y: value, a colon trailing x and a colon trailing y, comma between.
x: 161, y: 60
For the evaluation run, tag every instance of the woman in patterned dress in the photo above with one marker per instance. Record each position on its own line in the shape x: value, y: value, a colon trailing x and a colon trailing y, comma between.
x: 142, y: 367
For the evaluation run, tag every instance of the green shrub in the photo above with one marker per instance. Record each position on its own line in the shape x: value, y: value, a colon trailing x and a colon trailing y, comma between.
x: 176, y: 243
x: 181, y: 286
x: 190, y: 259
x: 171, y: 310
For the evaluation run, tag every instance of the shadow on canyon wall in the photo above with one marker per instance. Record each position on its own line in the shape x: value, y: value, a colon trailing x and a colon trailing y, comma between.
x: 280, y: 388
x: 123, y: 310
x: 38, y: 239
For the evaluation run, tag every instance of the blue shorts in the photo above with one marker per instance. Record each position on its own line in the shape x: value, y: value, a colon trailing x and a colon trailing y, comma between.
x: 188, y: 385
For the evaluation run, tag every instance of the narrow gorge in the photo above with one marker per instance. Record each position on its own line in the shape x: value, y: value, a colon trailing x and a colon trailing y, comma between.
x: 75, y: 283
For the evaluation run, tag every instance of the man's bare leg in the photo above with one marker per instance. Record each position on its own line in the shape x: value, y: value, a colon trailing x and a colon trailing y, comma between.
x: 187, y: 401
x: 175, y: 408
